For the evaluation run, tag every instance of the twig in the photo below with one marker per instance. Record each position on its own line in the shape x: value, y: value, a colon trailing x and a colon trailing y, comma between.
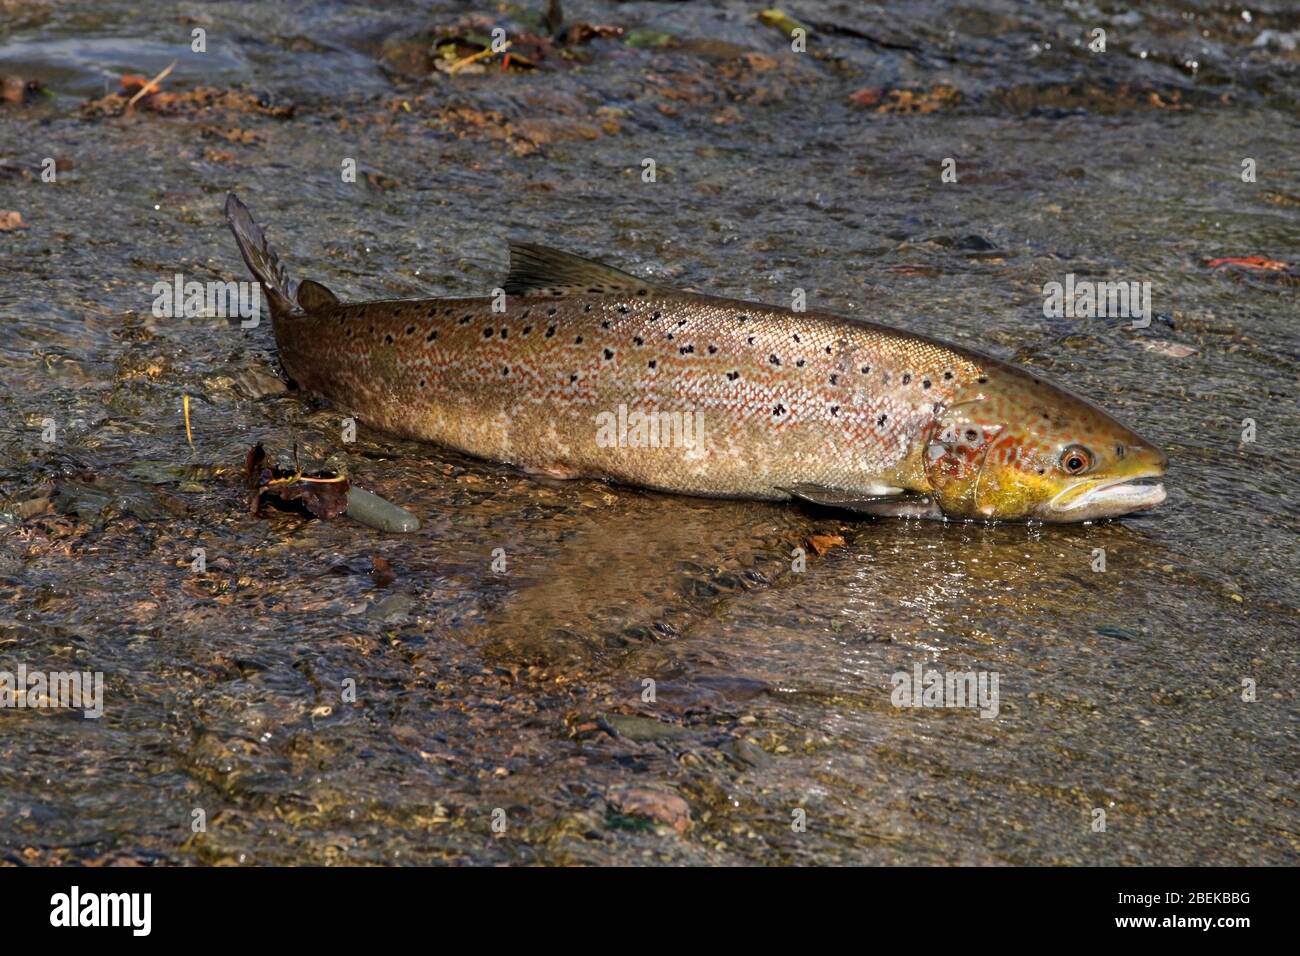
x: 151, y: 86
x: 475, y: 57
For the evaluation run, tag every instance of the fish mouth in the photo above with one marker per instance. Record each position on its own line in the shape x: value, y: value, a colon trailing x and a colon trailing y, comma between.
x: 1106, y: 498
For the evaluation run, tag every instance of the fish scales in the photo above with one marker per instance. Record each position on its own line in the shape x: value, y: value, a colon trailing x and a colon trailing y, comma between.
x: 783, y: 397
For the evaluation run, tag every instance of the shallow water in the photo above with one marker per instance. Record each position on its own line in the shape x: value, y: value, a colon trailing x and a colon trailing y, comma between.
x: 481, y: 690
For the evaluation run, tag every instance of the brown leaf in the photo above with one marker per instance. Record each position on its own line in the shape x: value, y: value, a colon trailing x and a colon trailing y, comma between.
x: 821, y: 543
x: 867, y: 96
x: 1249, y: 262
x: 322, y: 494
x: 383, y: 574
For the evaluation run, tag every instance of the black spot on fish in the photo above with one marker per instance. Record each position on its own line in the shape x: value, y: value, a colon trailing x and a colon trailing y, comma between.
x: 465, y: 319
x: 550, y: 331
x: 750, y: 340
x: 573, y: 377
x: 526, y: 313
x: 605, y: 324
x: 982, y: 379
x: 656, y: 317
x: 686, y: 349
x: 947, y: 375
x: 608, y: 355
x: 652, y: 363
x: 557, y: 292
x: 866, y: 370
x: 835, y: 379
x: 586, y: 307
x: 743, y: 318
x: 551, y: 311
x: 881, y: 419
x: 796, y: 337
x: 638, y: 340
x: 487, y: 333
x: 505, y: 370
x: 578, y: 340
x: 732, y: 376
x: 835, y: 409
x: 671, y: 336
x: 713, y: 350
x: 642, y: 292
x: 410, y: 330
x: 594, y: 291
x: 773, y: 359
x: 350, y: 331
x: 828, y: 350
x: 623, y: 309
x: 779, y: 410
x: 527, y: 329
x: 799, y: 364
x: 421, y: 383
x: 433, y: 334
x: 388, y: 338
x: 680, y: 323
x: 925, y: 383
x: 907, y: 377
x: 971, y: 434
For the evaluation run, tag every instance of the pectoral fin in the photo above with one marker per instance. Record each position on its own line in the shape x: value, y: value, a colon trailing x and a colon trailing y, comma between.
x: 885, y: 502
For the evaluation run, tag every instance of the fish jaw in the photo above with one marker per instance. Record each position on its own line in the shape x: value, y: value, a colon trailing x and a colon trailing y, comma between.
x: 1112, y: 496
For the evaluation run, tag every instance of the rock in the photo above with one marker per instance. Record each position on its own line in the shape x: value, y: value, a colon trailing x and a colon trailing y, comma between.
x: 643, y: 729
x: 393, y: 609
x: 658, y: 805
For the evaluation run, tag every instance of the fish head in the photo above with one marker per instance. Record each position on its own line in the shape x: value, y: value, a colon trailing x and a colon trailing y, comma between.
x: 1011, y: 446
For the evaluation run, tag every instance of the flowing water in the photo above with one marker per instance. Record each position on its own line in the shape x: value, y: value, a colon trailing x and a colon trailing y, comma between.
x: 477, y: 691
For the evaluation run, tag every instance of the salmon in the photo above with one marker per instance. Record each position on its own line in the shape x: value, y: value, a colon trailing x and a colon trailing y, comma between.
x: 576, y: 369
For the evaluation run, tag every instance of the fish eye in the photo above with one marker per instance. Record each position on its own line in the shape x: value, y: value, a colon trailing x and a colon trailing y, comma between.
x: 1076, y: 459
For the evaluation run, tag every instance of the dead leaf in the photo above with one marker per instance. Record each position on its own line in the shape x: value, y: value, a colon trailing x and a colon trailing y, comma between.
x: 867, y: 96
x: 323, y: 493
x: 1249, y: 262
x: 821, y: 543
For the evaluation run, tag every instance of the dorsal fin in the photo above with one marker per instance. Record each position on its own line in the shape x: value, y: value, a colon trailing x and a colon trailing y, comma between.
x: 536, y: 270
x: 313, y: 296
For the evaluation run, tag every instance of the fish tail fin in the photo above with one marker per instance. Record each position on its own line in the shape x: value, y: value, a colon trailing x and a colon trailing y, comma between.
x: 261, y: 258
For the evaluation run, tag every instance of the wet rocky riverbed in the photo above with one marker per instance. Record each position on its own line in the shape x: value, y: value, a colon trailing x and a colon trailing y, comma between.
x: 478, y: 691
